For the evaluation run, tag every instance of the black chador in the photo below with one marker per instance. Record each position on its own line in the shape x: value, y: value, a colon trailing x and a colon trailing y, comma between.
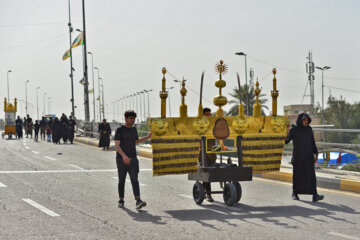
x: 19, y: 127
x: 105, y: 132
x: 56, y: 131
x: 71, y: 124
x: 303, y: 161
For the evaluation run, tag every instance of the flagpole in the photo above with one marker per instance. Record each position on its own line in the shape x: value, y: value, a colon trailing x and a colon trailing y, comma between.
x: 86, y: 89
x: 71, y: 66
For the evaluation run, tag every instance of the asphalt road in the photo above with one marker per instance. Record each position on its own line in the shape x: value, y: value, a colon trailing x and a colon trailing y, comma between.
x: 52, y: 191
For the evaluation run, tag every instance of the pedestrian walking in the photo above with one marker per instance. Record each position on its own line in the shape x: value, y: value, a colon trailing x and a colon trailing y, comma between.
x: 36, y: 130
x: 303, y: 158
x: 104, y: 134
x: 126, y: 138
x: 71, y: 125
x: 42, y: 128
x: 28, y: 126
x: 19, y: 127
x: 48, y: 133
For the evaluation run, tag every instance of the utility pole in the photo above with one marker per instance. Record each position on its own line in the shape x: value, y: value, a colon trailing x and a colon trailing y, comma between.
x: 71, y: 66
x: 93, y: 82
x: 310, y: 69
x: 86, y: 85
x: 26, y: 104
x: 98, y: 70
x: 322, y: 91
x: 37, y: 101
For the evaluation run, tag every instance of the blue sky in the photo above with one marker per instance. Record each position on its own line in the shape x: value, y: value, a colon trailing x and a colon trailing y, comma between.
x: 133, y: 40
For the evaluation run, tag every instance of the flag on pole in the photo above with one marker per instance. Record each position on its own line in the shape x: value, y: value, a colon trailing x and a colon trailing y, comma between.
x: 91, y: 91
x: 66, y: 55
x: 79, y: 40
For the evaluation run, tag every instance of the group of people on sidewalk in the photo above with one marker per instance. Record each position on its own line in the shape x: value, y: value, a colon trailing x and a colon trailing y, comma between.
x: 50, y: 130
x: 126, y: 138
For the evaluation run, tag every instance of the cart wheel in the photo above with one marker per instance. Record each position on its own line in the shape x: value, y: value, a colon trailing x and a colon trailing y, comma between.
x: 238, y: 190
x: 198, y: 192
x: 229, y: 194
x: 10, y: 136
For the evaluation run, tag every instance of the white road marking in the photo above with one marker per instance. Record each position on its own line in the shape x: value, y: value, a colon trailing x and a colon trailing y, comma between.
x: 185, y: 196
x: 40, y: 207
x: 64, y: 171
x: 27, y: 147
x: 342, y: 235
x: 50, y: 158
x: 35, y: 152
x: 72, y: 165
x: 2, y: 185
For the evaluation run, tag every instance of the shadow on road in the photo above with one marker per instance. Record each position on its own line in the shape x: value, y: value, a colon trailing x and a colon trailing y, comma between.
x: 143, y: 216
x: 267, y: 214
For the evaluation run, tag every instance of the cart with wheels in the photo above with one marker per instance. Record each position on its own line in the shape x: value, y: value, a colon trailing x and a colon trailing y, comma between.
x: 227, y: 173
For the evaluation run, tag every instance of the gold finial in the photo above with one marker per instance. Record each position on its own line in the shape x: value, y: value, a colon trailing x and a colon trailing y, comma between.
x: 183, y: 106
x: 257, y: 105
x: 221, y: 68
x: 274, y: 94
x: 220, y: 100
x: 163, y: 94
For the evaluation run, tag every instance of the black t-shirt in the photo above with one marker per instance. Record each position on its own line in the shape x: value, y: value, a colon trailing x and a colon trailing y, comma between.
x: 127, y: 138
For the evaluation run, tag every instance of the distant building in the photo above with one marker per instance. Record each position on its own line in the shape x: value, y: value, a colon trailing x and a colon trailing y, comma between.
x: 292, y: 112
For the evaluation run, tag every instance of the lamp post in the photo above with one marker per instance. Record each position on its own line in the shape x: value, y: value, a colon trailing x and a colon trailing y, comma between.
x: 322, y: 90
x: 7, y: 77
x: 247, y: 92
x: 103, y: 98
x: 37, y: 101
x: 148, y: 91
x: 49, y: 104
x: 98, y: 70
x: 26, y: 104
x: 86, y: 89
x: 168, y: 89
x: 144, y: 117
x: 71, y: 65
x: 44, y: 103
x: 140, y: 112
x: 93, y: 81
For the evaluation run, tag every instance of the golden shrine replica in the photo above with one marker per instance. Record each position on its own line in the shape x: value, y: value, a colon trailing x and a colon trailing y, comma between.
x: 10, y: 114
x: 176, y: 140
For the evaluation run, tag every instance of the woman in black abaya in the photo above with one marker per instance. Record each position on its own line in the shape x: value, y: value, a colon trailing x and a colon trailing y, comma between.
x: 303, y: 158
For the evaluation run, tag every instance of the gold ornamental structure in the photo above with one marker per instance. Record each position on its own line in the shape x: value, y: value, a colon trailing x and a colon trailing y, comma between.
x: 176, y: 140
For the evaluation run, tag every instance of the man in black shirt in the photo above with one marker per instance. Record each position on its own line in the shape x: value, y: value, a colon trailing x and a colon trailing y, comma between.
x: 126, y: 138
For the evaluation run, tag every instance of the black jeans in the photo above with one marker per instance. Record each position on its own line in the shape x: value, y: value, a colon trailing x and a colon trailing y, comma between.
x: 133, y: 170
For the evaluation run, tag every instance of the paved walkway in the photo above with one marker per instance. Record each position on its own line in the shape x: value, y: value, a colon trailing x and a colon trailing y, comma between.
x: 326, y: 178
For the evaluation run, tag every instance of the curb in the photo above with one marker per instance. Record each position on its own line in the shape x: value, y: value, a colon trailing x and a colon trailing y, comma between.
x: 323, y: 182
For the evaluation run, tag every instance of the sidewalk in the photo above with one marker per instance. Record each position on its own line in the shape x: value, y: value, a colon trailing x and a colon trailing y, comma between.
x: 326, y: 178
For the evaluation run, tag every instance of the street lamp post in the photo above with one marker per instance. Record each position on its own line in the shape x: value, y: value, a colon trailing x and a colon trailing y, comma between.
x: 322, y: 90
x: 26, y: 104
x: 7, y: 77
x: 144, y: 117
x: 49, y: 104
x: 93, y: 82
x: 98, y: 70
x: 103, y: 98
x: 247, y: 92
x: 148, y: 99
x: 86, y: 89
x: 169, y: 100
x: 71, y: 66
x: 44, y: 103
x: 37, y: 101
x: 140, y: 112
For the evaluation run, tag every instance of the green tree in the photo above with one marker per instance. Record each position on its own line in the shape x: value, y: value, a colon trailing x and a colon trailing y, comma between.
x: 252, y: 100
x: 343, y: 115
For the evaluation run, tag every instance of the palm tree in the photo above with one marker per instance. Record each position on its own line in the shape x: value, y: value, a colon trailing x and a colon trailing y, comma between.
x: 252, y: 100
